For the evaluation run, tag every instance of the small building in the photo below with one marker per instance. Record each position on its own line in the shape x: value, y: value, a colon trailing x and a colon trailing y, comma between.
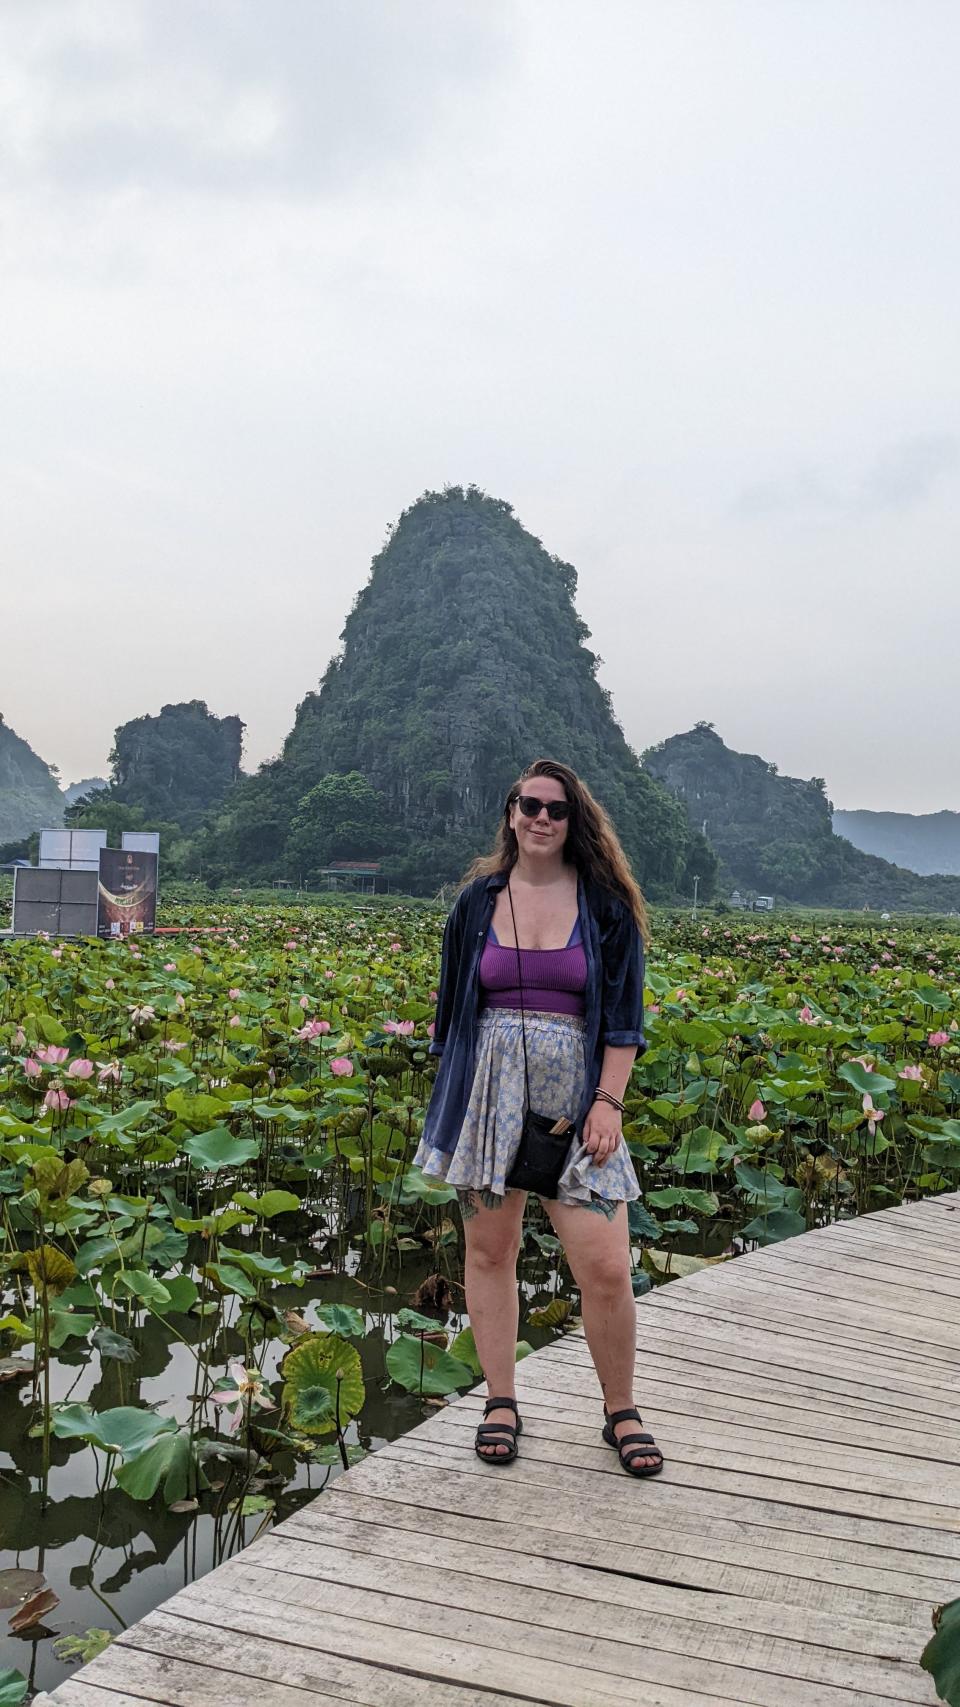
x: 363, y: 876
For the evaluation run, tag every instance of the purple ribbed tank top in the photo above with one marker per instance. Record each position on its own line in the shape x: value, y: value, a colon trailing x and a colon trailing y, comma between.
x: 554, y: 979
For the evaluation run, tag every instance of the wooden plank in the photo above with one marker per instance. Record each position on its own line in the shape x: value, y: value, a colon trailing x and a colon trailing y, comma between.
x: 414, y: 1527
x: 836, y: 1279
x: 685, y: 1471
x: 858, y: 1265
x: 619, y: 1652
x: 753, y: 1307
x: 841, y: 1627
x: 600, y: 1517
x: 734, y: 1385
x: 695, y: 1425
x: 849, y: 1658
x: 435, y: 1659
x: 192, y: 1665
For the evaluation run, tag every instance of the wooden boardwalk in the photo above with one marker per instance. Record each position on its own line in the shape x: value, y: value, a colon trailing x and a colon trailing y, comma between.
x: 807, y: 1399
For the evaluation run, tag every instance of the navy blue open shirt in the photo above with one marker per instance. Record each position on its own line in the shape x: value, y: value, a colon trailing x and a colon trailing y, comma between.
x: 613, y: 997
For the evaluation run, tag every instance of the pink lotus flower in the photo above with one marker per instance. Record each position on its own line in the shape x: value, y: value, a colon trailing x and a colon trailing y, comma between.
x: 80, y: 1069
x: 395, y: 947
x: 171, y: 1044
x: 342, y: 1066
x: 235, y: 1020
x: 431, y: 1029
x: 291, y: 944
x: 756, y: 1110
x: 110, y: 1073
x: 56, y: 1098
x: 328, y: 974
x: 937, y: 1039
x: 142, y: 1016
x: 32, y: 1068
x: 169, y: 966
x: 806, y: 1016
x: 910, y: 1072
x: 56, y: 954
x: 304, y: 1002
x: 110, y: 984
x: 246, y: 1391
x: 400, y: 1027
x: 52, y: 1055
x: 19, y: 1037
x: 313, y: 1028
x: 875, y: 1114
x: 433, y: 995
x: 181, y: 1004
x: 234, y: 995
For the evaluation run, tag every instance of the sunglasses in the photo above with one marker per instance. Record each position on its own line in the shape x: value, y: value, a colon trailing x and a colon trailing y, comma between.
x: 531, y: 807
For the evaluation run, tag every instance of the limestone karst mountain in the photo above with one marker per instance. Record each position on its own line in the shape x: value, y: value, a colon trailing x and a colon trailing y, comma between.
x: 775, y: 833
x: 463, y: 659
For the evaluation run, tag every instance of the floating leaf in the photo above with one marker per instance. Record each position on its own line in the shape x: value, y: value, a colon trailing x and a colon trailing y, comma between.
x: 13, y: 1687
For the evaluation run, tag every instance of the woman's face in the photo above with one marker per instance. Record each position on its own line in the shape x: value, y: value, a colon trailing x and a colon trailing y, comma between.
x: 541, y: 837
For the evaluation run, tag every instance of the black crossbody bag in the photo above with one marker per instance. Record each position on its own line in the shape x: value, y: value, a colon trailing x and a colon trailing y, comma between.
x: 544, y: 1140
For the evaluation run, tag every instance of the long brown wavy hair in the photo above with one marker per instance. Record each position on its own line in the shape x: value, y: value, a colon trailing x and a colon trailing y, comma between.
x: 592, y: 843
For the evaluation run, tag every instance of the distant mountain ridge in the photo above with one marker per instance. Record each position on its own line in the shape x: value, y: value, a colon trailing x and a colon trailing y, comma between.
x: 30, y: 797
x: 79, y: 790
x: 926, y: 842
x: 775, y: 833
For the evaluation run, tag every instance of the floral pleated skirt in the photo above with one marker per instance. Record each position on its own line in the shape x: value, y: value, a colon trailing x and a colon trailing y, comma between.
x: 490, y: 1135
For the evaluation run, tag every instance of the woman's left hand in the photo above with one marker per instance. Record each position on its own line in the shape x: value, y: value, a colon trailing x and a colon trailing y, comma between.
x: 601, y: 1131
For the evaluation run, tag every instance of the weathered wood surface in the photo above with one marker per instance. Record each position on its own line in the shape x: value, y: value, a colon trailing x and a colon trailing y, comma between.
x: 807, y: 1399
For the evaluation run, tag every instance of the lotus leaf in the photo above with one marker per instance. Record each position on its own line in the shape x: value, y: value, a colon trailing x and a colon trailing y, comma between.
x: 425, y: 1368
x: 321, y: 1364
x: 219, y: 1149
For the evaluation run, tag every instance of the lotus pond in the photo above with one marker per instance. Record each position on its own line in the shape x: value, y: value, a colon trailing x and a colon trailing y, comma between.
x: 222, y: 1281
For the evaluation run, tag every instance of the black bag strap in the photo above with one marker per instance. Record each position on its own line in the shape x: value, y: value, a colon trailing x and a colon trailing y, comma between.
x: 523, y: 1028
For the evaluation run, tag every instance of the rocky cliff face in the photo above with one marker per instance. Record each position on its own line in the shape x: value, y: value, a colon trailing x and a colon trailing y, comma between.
x: 30, y: 797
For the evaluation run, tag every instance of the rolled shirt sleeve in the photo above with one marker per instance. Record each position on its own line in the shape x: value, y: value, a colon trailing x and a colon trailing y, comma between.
x: 621, y: 1014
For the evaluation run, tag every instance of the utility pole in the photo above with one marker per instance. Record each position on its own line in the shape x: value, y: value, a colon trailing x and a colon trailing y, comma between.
x: 696, y: 885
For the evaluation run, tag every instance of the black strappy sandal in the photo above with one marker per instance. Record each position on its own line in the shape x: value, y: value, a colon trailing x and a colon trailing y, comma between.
x: 498, y: 1434
x: 631, y: 1446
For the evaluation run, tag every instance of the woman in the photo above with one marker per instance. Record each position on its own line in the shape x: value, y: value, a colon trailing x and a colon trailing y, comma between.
x: 559, y: 871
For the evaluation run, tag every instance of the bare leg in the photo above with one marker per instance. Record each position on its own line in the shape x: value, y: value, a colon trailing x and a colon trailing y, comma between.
x: 598, y: 1251
x: 493, y: 1244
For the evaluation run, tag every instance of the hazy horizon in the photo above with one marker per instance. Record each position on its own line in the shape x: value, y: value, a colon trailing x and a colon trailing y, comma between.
x: 678, y: 281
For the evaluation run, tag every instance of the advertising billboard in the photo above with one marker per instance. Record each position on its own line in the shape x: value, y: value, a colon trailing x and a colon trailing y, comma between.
x: 127, y: 892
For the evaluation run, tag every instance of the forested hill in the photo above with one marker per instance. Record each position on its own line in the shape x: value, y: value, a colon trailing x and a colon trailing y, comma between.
x: 775, y: 834
x: 30, y: 797
x: 463, y: 659
x: 926, y: 842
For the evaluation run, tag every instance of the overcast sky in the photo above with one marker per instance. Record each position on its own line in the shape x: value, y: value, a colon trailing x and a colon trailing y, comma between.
x: 678, y: 278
